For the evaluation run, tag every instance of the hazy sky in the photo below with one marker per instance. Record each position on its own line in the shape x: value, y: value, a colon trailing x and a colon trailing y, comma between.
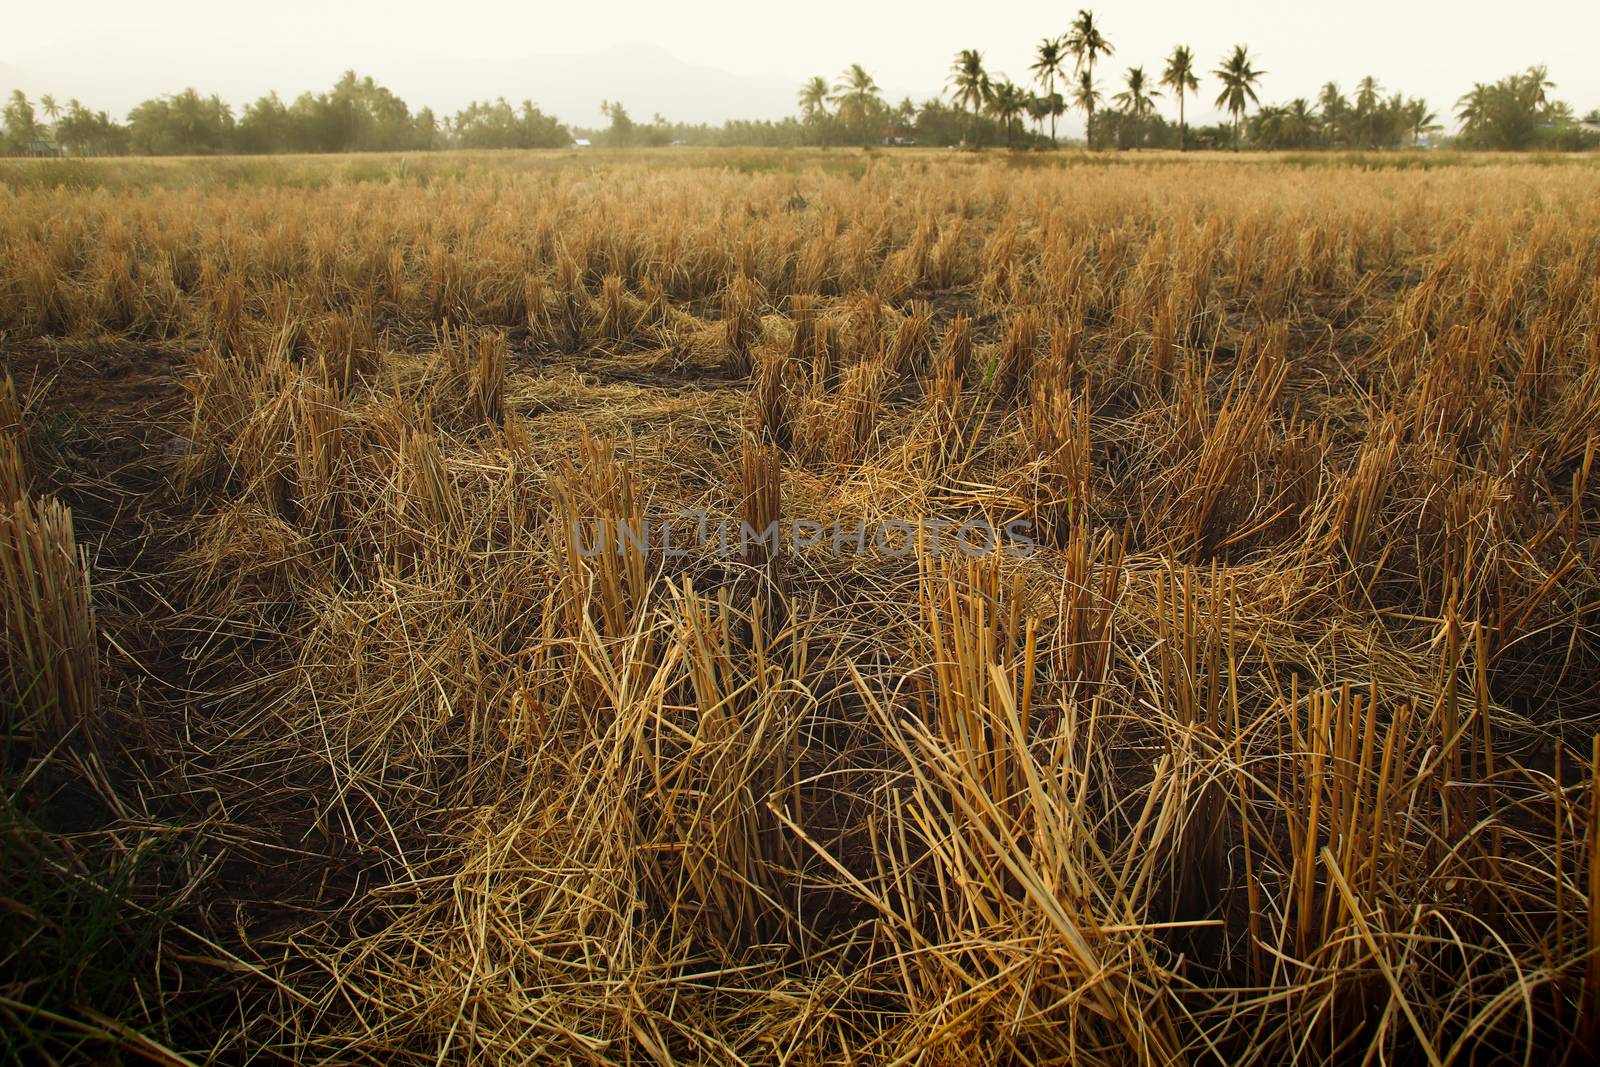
x: 113, y: 53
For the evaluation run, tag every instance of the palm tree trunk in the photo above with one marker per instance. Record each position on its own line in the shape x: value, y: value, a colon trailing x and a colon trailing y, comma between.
x: 1183, y: 128
x: 1050, y: 88
x: 1088, y: 133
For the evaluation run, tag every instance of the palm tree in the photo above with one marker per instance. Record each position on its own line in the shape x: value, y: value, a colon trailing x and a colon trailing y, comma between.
x: 971, y: 84
x: 1038, y: 111
x: 189, y: 115
x: 20, y: 125
x: 1139, y: 99
x: 1058, y: 107
x: 1086, y: 96
x: 1301, y: 120
x: 1286, y: 127
x: 1419, y: 120
x: 814, y: 98
x: 1335, y: 110
x: 1367, y: 90
x: 1559, y: 113
x: 854, y: 94
x: 905, y: 116
x: 1046, y: 69
x: 1472, y: 109
x: 1179, y: 77
x: 1533, y: 86
x: 47, y: 104
x: 1239, y: 80
x: 1267, y: 127
x: 1007, y: 102
x: 1508, y: 113
x: 1087, y: 44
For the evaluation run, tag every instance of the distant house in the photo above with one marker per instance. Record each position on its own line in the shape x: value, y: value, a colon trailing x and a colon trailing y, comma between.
x: 892, y: 136
x: 581, y: 142
x: 41, y: 148
x: 1592, y: 125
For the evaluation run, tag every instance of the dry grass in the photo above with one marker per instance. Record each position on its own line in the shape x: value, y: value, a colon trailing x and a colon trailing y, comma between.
x: 53, y: 669
x: 1278, y: 747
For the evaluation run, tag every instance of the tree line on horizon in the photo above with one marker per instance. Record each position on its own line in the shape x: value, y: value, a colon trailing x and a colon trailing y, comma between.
x: 357, y: 114
x: 1513, y: 113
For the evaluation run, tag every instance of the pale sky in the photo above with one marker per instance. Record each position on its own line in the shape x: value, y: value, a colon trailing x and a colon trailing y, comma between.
x: 113, y: 53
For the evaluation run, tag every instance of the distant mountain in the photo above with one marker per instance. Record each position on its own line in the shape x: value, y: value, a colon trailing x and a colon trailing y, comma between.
x: 647, y: 79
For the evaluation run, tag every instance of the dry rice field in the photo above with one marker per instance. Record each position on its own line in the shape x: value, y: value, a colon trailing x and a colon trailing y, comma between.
x: 334, y: 731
